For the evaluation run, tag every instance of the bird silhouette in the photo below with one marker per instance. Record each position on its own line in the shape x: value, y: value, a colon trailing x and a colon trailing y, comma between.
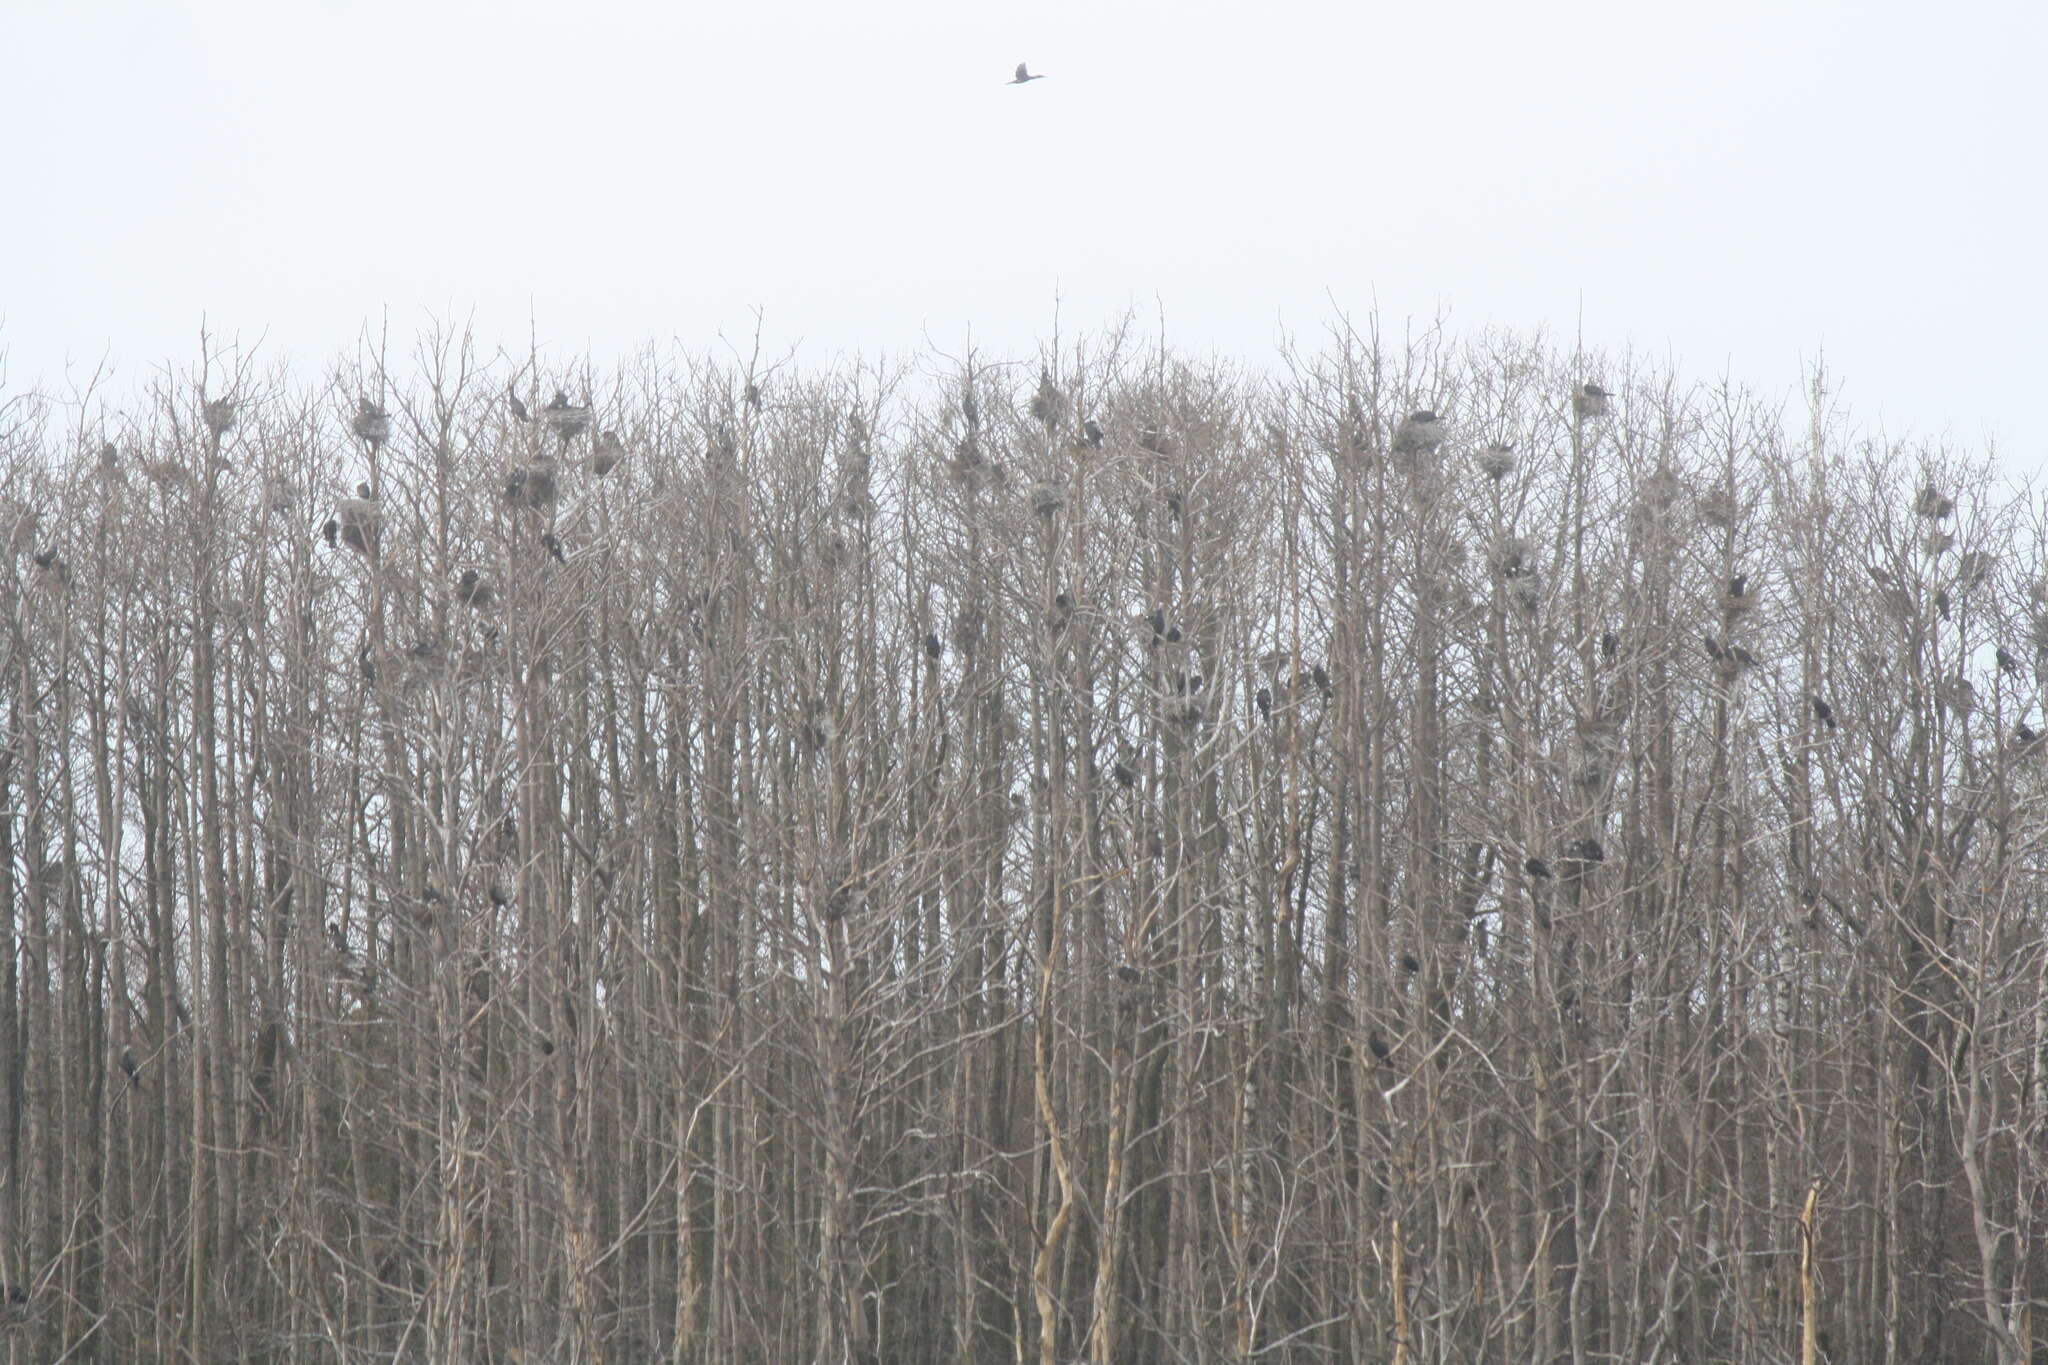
x: 1124, y: 775
x: 2007, y: 664
x: 474, y: 591
x: 610, y: 450
x: 932, y: 648
x: 1023, y: 75
x: 1822, y: 712
x: 1091, y: 434
x: 518, y: 408
x: 1378, y: 1046
x: 1590, y: 401
x: 1536, y: 868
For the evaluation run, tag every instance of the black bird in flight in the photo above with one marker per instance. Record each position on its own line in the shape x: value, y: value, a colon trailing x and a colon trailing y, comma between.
x: 1023, y: 75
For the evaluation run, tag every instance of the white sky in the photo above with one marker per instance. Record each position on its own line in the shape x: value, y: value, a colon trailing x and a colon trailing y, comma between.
x: 1733, y: 186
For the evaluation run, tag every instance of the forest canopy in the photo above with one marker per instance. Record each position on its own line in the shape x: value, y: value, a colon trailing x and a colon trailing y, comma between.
x: 1452, y: 850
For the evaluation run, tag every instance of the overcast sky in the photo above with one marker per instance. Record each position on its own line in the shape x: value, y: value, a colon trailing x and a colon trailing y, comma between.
x: 1734, y: 186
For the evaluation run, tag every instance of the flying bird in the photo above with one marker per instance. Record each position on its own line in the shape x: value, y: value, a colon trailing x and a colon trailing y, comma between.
x: 1023, y: 76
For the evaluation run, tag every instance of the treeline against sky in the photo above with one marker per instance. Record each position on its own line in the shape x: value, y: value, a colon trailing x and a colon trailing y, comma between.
x: 1455, y: 848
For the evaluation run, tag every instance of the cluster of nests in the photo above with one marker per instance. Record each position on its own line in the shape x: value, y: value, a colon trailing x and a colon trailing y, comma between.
x: 1421, y: 433
x: 357, y: 522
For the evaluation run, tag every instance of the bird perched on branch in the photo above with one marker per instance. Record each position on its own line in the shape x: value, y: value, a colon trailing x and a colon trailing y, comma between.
x: 519, y: 412
x: 1822, y: 712
x: 1590, y: 400
x: 1024, y: 76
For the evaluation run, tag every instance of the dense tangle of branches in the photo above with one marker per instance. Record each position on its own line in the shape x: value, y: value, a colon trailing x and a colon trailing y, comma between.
x: 1098, y: 857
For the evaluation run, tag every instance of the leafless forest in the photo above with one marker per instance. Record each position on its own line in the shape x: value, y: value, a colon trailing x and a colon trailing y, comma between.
x: 1092, y: 856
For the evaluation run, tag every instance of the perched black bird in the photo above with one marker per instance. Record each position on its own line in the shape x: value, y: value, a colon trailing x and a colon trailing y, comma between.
x: 1590, y: 401
x: 1124, y: 775
x: 1738, y: 584
x: 499, y: 896
x: 970, y: 410
x: 1157, y: 620
x: 1742, y: 657
x: 518, y: 408
x: 1536, y: 868
x: 1609, y: 644
x: 367, y: 666
x: 1410, y: 963
x: 1320, y: 676
x: 1822, y: 712
x: 1128, y: 974
x: 2024, y: 734
x: 1023, y: 76
x: 553, y: 545
x: 129, y: 1065
x: 1586, y: 851
x: 1264, y: 700
x: 1378, y: 1046
x: 1714, y: 650
x: 1091, y: 434
x: 932, y: 648
x: 338, y: 939
x: 2007, y: 664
